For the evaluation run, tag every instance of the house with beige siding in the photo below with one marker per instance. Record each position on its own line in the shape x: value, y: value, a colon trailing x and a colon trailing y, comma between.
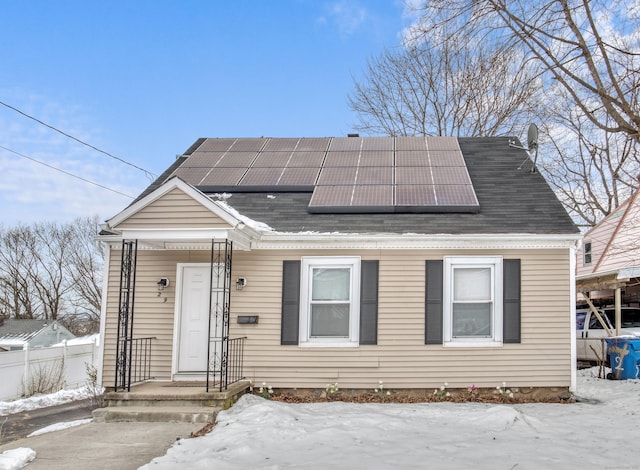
x: 306, y: 261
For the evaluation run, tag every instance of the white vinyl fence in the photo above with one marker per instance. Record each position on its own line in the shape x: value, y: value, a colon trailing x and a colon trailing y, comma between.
x: 29, y: 370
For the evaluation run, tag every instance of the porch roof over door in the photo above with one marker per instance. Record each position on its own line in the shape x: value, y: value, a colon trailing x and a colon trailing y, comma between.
x: 178, y: 216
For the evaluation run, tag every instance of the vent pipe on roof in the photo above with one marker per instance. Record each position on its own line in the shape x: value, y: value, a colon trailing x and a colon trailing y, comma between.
x: 353, y: 135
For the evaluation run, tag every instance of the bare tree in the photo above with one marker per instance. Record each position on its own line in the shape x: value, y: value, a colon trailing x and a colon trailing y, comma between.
x: 17, y: 293
x: 52, y: 271
x: 571, y: 66
x: 448, y: 89
x: 590, y: 48
x: 84, y: 267
x: 592, y: 171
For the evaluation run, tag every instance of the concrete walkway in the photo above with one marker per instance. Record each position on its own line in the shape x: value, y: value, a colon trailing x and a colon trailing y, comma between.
x: 122, y: 446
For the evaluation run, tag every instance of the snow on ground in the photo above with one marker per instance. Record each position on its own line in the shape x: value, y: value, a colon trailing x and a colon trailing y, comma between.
x: 18, y: 458
x: 59, y: 426
x: 598, y: 432
x: 15, y: 459
x: 42, y: 401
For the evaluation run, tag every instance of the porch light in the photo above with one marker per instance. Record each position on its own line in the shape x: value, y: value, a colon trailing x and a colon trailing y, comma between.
x: 162, y: 283
x: 241, y: 282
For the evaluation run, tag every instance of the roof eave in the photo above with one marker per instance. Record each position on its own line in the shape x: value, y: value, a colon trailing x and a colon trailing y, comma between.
x: 278, y: 240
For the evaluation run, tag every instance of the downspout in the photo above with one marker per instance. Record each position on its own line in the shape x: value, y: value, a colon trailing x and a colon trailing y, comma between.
x: 572, y: 318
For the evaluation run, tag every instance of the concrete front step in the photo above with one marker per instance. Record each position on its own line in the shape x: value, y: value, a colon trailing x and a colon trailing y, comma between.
x: 167, y: 414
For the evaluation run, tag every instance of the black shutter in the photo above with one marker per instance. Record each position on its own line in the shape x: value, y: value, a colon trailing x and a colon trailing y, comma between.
x: 511, y: 300
x: 369, y: 302
x: 433, y: 303
x: 290, y: 302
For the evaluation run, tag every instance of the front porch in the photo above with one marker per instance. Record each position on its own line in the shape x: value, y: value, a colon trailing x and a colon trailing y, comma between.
x: 186, y: 402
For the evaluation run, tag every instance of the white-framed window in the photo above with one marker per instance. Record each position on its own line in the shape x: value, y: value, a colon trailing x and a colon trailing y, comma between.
x: 472, y: 310
x: 330, y: 301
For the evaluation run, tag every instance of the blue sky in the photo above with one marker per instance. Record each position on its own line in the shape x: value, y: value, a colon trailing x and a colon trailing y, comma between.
x: 143, y: 79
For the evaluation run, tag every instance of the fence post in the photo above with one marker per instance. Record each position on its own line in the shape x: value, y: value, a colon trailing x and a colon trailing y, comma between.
x: 25, y: 374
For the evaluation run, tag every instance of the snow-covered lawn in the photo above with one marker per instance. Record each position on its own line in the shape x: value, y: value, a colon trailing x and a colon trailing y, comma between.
x: 596, y: 433
x: 42, y: 401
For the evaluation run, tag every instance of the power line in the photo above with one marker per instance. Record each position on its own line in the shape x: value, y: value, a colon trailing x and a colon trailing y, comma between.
x: 65, y: 172
x: 149, y: 174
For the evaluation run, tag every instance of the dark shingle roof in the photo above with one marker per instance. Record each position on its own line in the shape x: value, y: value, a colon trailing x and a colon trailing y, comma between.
x: 512, y: 200
x: 23, y: 329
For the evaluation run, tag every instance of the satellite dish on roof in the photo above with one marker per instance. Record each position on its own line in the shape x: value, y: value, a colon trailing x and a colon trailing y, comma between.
x: 532, y: 145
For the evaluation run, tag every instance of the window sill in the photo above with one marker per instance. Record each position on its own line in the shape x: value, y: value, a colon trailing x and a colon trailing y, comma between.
x: 473, y: 344
x: 342, y: 344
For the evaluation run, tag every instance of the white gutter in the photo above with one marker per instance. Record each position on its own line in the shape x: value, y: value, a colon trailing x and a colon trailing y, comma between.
x: 276, y: 240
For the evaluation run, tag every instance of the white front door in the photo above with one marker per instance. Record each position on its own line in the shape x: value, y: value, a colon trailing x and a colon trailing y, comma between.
x: 193, y: 335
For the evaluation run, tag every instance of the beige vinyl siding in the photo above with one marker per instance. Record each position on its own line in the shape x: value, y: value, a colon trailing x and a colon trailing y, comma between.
x: 173, y: 210
x: 153, y: 314
x: 400, y: 359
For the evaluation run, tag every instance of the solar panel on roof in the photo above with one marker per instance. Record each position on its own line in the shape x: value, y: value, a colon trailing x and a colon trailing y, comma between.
x: 272, y: 160
x: 329, y: 196
x: 352, y: 174
x: 279, y: 145
x: 377, y: 144
x: 314, y: 144
x: 415, y: 195
x: 261, y: 177
x: 192, y: 176
x: 345, y: 144
x: 306, y: 159
x: 337, y: 176
x: 370, y: 195
x: 413, y: 175
x: 450, y: 175
x: 411, y: 158
x: 237, y: 160
x: 203, y: 159
x: 299, y: 177
x: 223, y: 177
x: 374, y: 175
x: 446, y: 158
x: 377, y: 158
x: 216, y: 145
x: 456, y: 195
x: 337, y: 159
x: 442, y: 143
x: 247, y: 145
x: 411, y: 143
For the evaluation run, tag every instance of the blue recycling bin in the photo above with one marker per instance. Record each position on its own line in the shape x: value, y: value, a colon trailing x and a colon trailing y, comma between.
x: 624, y: 356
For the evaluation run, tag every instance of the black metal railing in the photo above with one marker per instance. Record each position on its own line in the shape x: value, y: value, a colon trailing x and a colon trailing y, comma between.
x: 226, y: 363
x: 139, y: 360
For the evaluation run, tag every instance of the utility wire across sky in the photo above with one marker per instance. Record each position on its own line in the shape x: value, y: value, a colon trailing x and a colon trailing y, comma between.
x: 65, y: 172
x: 148, y: 173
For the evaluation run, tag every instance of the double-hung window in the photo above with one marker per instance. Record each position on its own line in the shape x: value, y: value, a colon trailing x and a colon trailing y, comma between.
x: 329, y: 301
x: 472, y: 307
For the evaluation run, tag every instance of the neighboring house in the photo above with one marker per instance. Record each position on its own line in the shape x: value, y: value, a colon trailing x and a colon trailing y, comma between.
x: 608, y: 262
x: 411, y: 260
x: 15, y: 334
